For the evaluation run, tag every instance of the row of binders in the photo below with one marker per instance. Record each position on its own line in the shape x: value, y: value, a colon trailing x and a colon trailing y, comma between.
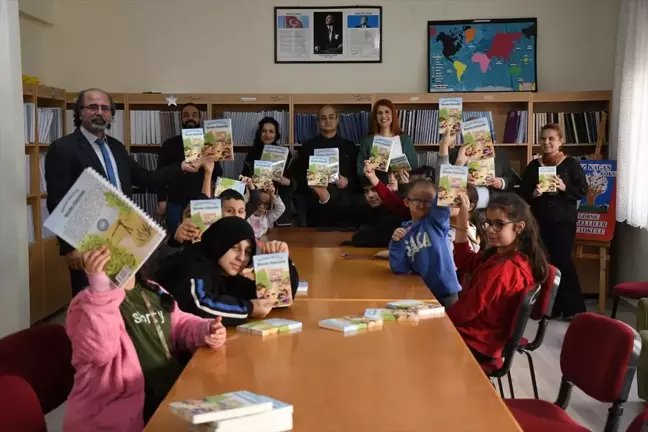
x: 41, y: 166
x: 44, y: 214
x: 152, y: 127
x: 245, y: 125
x: 50, y: 123
x: 579, y: 127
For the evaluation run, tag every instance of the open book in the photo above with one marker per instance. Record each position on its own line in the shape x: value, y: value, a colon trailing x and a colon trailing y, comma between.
x: 93, y: 213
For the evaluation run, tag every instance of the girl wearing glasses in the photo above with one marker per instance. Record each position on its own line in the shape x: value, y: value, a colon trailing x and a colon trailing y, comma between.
x: 512, y: 261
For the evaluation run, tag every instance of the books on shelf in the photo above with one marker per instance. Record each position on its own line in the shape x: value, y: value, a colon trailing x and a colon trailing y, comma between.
x: 278, y: 156
x: 193, y: 141
x: 218, y: 134
x: 262, y: 177
x: 94, y: 213
x: 353, y: 126
x: 381, y: 153
x: 116, y: 125
x: 450, y: 115
x: 233, y: 168
x: 41, y: 168
x: 222, y: 184
x: 422, y: 125
x: 547, y: 179
x: 452, y: 180
x: 245, y: 125
x: 221, y: 407
x: 50, y: 124
x: 29, y: 120
x: 333, y: 156
x: 272, y: 276
x: 515, y: 129
x: 153, y: 127
x: 146, y: 160
x: 318, y: 171
x: 205, y: 212
x: 147, y: 202
x: 351, y: 323
x: 579, y: 127
x: 31, y: 235
x: 28, y: 174
x: 270, y: 326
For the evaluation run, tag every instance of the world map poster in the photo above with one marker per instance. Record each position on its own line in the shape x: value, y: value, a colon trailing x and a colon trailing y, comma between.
x: 482, y: 55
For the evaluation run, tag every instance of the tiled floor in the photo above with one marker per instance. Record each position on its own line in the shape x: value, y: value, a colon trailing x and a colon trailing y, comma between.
x: 583, y: 409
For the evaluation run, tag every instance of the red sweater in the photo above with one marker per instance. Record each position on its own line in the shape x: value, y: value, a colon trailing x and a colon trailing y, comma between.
x: 485, y: 312
x: 392, y: 202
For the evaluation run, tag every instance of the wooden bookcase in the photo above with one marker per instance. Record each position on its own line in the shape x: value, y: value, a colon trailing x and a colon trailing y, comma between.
x: 49, y: 281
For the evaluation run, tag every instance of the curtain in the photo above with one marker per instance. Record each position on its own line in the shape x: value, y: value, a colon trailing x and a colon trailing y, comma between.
x: 630, y: 114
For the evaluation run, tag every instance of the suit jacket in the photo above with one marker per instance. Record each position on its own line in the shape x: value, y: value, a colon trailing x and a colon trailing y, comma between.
x: 322, y: 40
x: 70, y: 155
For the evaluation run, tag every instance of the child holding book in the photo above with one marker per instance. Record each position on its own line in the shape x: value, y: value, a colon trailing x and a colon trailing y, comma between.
x: 269, y: 211
x: 208, y: 278
x: 512, y: 261
x: 125, y: 343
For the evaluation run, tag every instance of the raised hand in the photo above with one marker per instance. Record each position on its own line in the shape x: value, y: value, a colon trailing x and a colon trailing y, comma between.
x: 370, y: 173
x: 403, y: 177
x: 95, y: 260
x: 248, y: 182
x: 393, y: 183
x: 187, y: 231
x: 190, y: 167
x: 342, y: 182
x: 274, y: 246
x: 495, y: 182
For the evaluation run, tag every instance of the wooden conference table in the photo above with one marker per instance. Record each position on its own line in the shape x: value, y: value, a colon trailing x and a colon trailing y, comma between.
x: 403, y: 377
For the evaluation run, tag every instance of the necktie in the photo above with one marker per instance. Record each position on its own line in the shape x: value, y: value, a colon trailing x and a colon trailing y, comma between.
x: 110, y: 170
x: 330, y: 33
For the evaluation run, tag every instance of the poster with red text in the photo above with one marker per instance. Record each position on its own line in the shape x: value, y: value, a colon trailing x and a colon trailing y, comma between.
x: 597, y: 212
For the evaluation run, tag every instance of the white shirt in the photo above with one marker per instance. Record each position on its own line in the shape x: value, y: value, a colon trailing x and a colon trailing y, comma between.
x: 397, y: 147
x: 91, y: 139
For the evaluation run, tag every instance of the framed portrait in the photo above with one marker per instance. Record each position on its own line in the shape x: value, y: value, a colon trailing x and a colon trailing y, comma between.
x: 341, y: 34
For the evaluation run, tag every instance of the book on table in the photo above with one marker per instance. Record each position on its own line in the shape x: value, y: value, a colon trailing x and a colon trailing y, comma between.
x: 272, y: 277
x: 220, y: 407
x: 223, y: 184
x: 547, y: 179
x: 270, y: 326
x: 193, y: 141
x: 452, y: 181
x: 333, y: 155
x: 350, y: 323
x: 404, y: 304
x: 399, y: 311
x: 278, y: 156
x: 302, y: 288
x: 318, y: 171
x: 380, y: 155
x: 262, y: 177
x: 204, y: 213
x: 93, y: 213
x: 218, y: 137
x: 478, y: 142
x: 450, y: 115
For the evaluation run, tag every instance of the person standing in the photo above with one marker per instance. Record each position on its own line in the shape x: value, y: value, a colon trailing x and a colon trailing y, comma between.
x: 557, y: 215
x: 384, y: 123
x: 173, y: 197
x: 339, y: 191
x: 90, y: 146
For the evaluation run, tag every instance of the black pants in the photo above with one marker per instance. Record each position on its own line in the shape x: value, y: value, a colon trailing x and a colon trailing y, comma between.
x: 79, y: 281
x: 558, y: 238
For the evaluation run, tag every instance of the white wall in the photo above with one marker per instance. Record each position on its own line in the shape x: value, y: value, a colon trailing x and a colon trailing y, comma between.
x: 14, y: 284
x: 228, y: 45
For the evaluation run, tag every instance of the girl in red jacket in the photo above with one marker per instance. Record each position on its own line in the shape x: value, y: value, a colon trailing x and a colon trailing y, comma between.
x: 512, y: 261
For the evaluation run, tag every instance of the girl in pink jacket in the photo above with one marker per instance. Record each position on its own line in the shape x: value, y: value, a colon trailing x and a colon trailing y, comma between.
x: 125, y: 344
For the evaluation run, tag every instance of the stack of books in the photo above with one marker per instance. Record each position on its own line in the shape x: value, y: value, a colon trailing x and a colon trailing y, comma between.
x: 236, y: 411
x: 270, y: 326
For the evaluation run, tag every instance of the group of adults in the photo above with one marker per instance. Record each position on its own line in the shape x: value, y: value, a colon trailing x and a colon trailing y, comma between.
x: 350, y: 202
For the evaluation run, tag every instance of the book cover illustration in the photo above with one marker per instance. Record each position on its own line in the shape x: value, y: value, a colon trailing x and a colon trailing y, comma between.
x: 318, y: 173
x: 399, y: 163
x: 270, y: 326
x: 220, y: 407
x: 380, y: 153
x: 333, y: 155
x: 450, y: 115
x: 597, y: 212
x: 272, y: 276
x: 350, y: 323
x: 452, y: 180
x: 218, y: 136
x: 193, y: 141
x: 278, y: 155
x: 547, y: 179
x: 93, y: 213
x: 381, y: 314
x: 205, y: 212
x: 404, y: 304
x: 262, y: 177
x: 481, y: 170
x: 478, y: 143
x: 223, y: 184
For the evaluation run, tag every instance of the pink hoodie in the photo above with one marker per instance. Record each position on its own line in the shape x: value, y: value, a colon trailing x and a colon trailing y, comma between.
x: 108, y: 391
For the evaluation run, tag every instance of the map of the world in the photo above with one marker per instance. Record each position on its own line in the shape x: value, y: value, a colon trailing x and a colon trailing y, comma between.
x: 482, y: 55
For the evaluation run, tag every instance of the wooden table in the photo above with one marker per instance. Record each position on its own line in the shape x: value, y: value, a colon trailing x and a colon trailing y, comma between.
x: 401, y: 378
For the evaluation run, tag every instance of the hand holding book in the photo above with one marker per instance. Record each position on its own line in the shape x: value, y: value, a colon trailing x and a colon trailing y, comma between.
x: 274, y: 246
x: 370, y: 173
x: 190, y: 167
x: 262, y: 307
x: 96, y: 259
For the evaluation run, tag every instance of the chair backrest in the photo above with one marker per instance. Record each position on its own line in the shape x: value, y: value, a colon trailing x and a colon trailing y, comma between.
x: 642, y: 314
x: 42, y: 356
x: 640, y: 423
x: 527, y: 298
x: 20, y: 409
x: 547, y: 295
x: 600, y: 355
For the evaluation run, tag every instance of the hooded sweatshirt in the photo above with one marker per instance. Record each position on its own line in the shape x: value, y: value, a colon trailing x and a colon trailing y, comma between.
x: 486, y: 310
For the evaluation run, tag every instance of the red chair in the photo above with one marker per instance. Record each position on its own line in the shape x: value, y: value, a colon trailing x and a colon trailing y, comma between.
x: 541, y: 312
x: 41, y: 357
x: 599, y: 355
x: 20, y: 409
x: 502, y: 366
x: 640, y: 423
x: 633, y: 290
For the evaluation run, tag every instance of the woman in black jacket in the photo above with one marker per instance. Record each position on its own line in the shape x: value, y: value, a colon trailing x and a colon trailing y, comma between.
x: 556, y: 214
x: 268, y: 134
x: 207, y: 278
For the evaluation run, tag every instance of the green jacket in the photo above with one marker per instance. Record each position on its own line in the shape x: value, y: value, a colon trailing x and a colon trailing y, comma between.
x: 365, y: 150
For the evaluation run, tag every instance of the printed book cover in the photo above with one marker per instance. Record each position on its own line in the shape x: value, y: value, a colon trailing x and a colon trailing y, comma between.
x: 380, y: 153
x: 218, y: 135
x: 478, y: 143
x: 221, y: 407
x: 547, y: 179
x: 399, y: 163
x: 205, y: 212
x: 450, y: 115
x: 404, y: 304
x: 262, y: 177
x: 272, y: 276
x: 318, y: 173
x: 223, y: 184
x: 333, y: 155
x: 270, y: 326
x: 597, y: 212
x: 193, y: 141
x: 93, y: 213
x: 452, y: 180
x: 278, y: 155
x: 481, y: 170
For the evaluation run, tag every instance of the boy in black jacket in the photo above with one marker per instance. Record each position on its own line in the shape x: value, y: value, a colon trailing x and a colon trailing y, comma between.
x: 206, y: 278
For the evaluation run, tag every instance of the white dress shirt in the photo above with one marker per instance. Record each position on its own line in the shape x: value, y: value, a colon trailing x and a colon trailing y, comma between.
x: 91, y: 139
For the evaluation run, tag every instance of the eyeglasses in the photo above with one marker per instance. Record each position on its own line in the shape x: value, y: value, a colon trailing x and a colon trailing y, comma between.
x: 95, y: 108
x: 331, y: 117
x: 497, y: 225
x: 420, y: 202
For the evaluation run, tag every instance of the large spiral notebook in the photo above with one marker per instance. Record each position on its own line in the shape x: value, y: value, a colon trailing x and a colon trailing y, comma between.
x: 93, y: 213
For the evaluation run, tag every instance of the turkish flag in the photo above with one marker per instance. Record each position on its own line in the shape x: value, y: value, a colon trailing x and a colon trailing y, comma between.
x: 292, y: 22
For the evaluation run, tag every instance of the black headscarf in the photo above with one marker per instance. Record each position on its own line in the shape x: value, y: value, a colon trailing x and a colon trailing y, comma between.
x: 222, y: 235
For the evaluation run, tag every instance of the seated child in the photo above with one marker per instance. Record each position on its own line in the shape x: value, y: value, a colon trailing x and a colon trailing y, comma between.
x: 270, y: 209
x: 208, y: 278
x: 420, y: 246
x: 512, y: 261
x: 125, y: 347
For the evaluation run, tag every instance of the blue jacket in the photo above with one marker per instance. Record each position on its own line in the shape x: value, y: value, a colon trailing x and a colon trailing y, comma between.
x: 424, y: 250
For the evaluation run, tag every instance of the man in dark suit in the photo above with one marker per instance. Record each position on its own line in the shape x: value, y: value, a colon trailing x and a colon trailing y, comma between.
x: 173, y: 197
x: 364, y: 22
x: 328, y: 39
x: 89, y: 146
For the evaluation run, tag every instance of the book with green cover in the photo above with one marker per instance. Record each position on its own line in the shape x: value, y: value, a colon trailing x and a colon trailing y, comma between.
x: 270, y: 326
x: 222, y: 184
x: 93, y: 213
x: 318, y: 171
x: 547, y: 179
x: 350, y: 323
x: 221, y: 407
x: 218, y: 136
x: 262, y: 177
x: 452, y: 180
x: 399, y: 163
x: 478, y: 143
x: 380, y: 153
x: 193, y: 141
x: 481, y: 170
x: 333, y: 155
x: 404, y: 304
x: 278, y: 155
x: 205, y: 212
x: 450, y: 115
x: 272, y: 276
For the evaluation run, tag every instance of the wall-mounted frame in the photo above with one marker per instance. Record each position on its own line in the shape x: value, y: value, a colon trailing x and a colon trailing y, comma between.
x: 339, y: 34
x: 483, y: 55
